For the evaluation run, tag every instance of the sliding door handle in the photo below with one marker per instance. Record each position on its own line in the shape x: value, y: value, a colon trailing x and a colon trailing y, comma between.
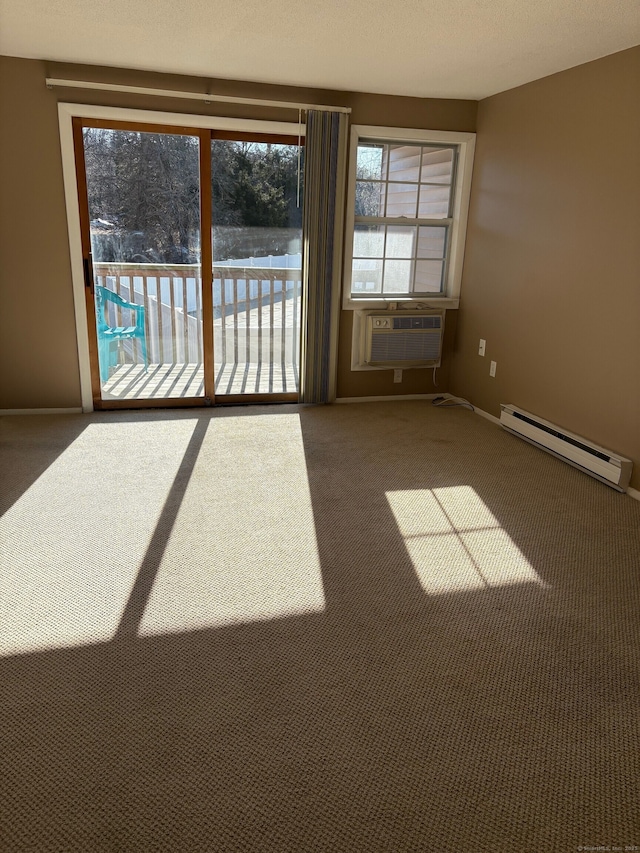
x: 88, y: 273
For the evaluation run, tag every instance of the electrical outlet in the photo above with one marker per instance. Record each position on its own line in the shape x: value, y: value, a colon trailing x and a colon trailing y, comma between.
x: 492, y: 368
x: 397, y: 374
x: 482, y: 347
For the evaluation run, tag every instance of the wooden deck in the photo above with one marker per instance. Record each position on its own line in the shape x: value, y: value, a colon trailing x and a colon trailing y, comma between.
x: 171, y: 381
x: 252, y: 378
x: 161, y: 381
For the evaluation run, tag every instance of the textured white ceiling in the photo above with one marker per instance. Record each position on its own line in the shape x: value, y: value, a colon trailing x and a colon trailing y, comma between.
x: 426, y: 48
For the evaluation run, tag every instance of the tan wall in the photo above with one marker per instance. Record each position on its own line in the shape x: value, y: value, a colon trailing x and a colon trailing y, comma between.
x: 37, y: 339
x: 38, y: 354
x: 552, y: 267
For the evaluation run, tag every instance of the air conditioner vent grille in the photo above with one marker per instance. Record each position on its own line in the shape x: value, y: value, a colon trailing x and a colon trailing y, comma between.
x: 397, y: 346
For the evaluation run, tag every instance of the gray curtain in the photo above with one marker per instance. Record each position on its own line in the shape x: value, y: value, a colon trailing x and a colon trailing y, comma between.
x: 322, y: 227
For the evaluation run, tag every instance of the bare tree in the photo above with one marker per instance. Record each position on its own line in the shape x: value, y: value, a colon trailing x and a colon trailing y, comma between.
x: 144, y: 195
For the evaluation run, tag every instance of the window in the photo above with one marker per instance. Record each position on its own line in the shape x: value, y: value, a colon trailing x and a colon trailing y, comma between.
x: 408, y: 199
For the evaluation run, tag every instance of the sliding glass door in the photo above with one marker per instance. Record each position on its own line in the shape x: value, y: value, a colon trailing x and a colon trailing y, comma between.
x: 256, y: 197
x: 176, y: 318
x: 142, y: 247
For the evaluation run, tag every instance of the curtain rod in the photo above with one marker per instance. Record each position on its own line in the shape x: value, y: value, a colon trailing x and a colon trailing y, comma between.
x: 194, y: 96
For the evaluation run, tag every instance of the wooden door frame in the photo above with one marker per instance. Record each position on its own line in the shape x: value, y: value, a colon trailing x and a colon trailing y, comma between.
x: 87, y: 262
x: 206, y: 270
x: 197, y: 125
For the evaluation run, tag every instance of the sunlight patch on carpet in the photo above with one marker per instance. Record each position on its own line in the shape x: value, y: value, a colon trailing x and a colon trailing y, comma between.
x: 243, y: 547
x: 455, y: 542
x: 71, y: 544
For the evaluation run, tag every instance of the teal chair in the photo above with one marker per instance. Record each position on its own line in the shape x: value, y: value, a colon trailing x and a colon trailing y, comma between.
x: 109, y: 337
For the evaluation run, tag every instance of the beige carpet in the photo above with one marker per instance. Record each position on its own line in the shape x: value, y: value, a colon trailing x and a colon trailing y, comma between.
x: 375, y: 627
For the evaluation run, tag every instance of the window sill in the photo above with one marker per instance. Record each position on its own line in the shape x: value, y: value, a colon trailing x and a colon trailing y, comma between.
x: 400, y: 304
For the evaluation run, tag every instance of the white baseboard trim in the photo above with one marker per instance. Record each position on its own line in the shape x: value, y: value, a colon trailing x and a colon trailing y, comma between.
x: 73, y: 411
x: 633, y: 493
x: 388, y: 399
x: 486, y: 415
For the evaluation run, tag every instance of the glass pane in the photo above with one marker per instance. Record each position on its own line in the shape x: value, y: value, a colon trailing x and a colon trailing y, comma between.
x: 402, y: 200
x: 398, y: 276
x: 370, y: 162
x: 369, y: 198
x: 437, y: 165
x: 404, y: 163
x: 431, y: 242
x: 434, y: 202
x: 366, y: 276
x: 401, y: 241
x: 257, y: 261
x: 428, y: 276
x: 368, y: 241
x: 144, y: 210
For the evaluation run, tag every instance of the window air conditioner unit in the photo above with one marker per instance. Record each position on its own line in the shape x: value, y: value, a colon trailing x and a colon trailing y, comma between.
x: 401, y: 339
x: 602, y: 464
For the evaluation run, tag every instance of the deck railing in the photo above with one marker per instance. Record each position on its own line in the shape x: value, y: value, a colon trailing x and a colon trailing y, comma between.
x: 256, y: 312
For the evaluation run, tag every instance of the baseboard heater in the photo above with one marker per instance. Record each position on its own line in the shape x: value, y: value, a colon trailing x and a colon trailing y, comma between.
x: 602, y: 464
